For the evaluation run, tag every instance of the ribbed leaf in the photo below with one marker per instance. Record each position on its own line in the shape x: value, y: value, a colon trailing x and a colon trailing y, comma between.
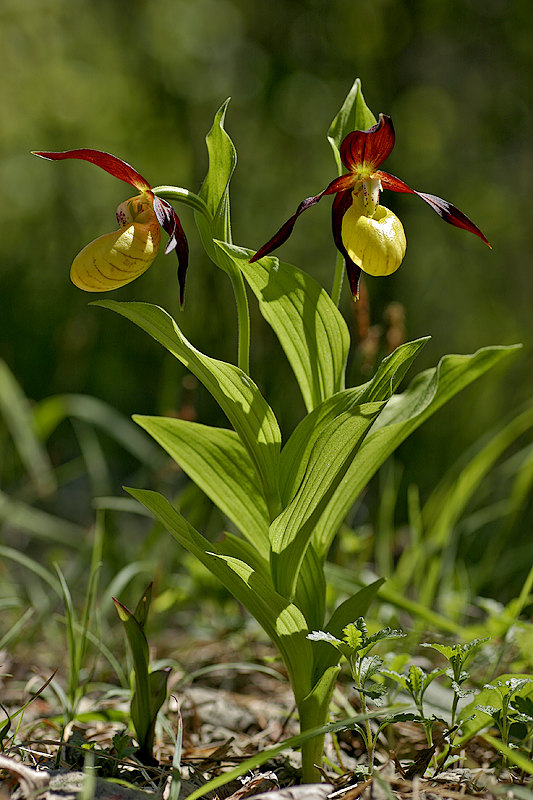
x: 402, y: 415
x: 218, y: 463
x: 283, y: 621
x: 310, y: 328
x: 236, y: 547
x: 295, y: 454
x: 330, y: 458
x: 310, y: 590
x: 235, y: 392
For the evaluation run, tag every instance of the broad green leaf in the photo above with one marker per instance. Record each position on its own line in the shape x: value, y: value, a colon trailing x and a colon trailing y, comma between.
x: 310, y: 329
x: 351, y: 609
x: 215, y: 188
x: 310, y: 589
x: 353, y: 115
x: 295, y: 454
x: 236, y: 547
x: 329, y: 460
x: 218, y: 463
x: 17, y: 413
x: 235, y: 392
x: 283, y: 621
x: 290, y: 626
x: 403, y: 414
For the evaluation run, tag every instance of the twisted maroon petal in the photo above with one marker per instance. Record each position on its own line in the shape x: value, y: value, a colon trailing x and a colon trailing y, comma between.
x: 338, y: 185
x: 169, y: 221
x: 341, y: 203
x: 445, y: 210
x: 371, y: 147
x: 115, y: 166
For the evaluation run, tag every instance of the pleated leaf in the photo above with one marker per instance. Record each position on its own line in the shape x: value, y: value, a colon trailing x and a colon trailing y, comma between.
x: 236, y: 394
x: 403, y: 414
x: 310, y: 589
x: 219, y: 464
x: 295, y: 455
x: 310, y: 328
x: 331, y: 456
x: 283, y: 621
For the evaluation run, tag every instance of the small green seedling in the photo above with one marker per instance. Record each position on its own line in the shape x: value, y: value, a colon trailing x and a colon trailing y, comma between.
x: 512, y: 708
x: 149, y: 688
x: 457, y: 655
x: 355, y: 647
x: 415, y: 683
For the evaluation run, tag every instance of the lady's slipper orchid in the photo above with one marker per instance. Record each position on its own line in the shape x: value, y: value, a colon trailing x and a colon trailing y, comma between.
x: 369, y: 236
x: 118, y: 258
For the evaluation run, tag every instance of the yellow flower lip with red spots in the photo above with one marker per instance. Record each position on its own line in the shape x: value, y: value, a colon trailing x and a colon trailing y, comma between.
x: 369, y: 236
x: 117, y: 258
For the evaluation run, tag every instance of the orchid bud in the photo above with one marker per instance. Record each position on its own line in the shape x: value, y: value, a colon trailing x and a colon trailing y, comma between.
x: 117, y: 258
x: 376, y: 244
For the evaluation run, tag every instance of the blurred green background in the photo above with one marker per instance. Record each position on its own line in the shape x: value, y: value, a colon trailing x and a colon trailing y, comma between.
x: 144, y: 79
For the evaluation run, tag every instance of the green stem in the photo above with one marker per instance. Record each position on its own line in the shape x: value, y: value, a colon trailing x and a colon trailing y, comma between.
x: 356, y: 674
x: 243, y: 321
x: 184, y: 196
x: 195, y: 202
x: 337, y: 281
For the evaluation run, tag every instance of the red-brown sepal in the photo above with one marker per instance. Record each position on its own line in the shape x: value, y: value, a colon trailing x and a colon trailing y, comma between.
x: 115, y: 166
x: 371, y: 147
x: 445, y: 210
x: 169, y: 221
x: 337, y: 185
x: 341, y: 203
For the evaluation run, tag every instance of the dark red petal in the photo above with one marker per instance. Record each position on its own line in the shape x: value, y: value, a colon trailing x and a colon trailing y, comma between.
x: 336, y: 185
x: 169, y: 221
x: 341, y: 204
x: 115, y: 166
x: 445, y: 210
x: 372, y: 146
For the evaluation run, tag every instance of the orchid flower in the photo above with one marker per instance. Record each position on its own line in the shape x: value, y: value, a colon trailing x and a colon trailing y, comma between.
x: 117, y: 258
x: 369, y: 236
